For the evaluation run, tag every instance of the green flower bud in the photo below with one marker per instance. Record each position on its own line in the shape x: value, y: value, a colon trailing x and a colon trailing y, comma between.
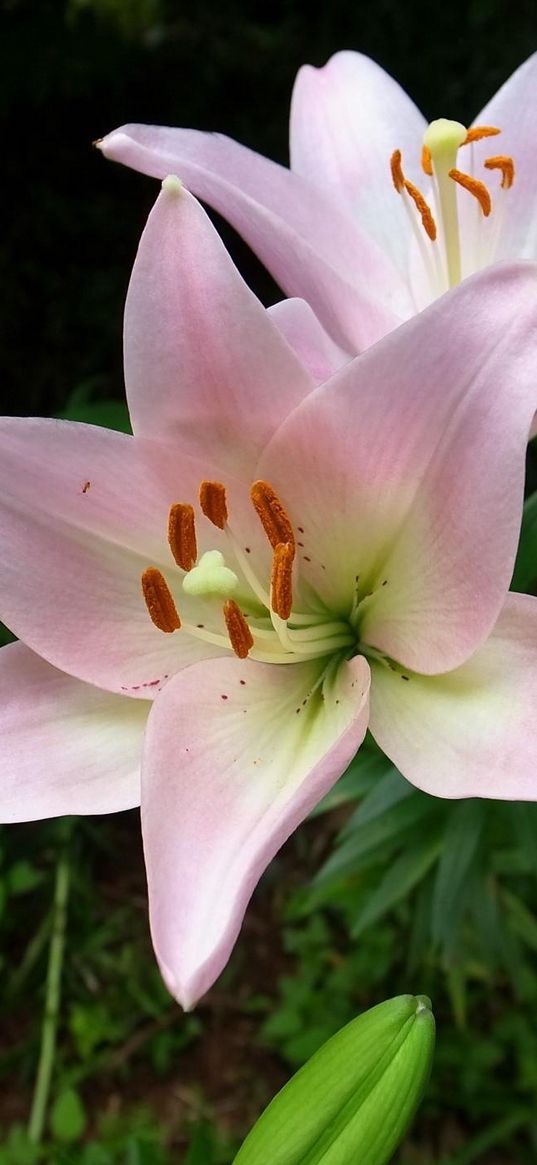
x: 352, y: 1103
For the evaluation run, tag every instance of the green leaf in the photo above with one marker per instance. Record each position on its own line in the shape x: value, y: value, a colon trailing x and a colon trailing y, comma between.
x: 68, y: 1117
x: 523, y: 922
x: 109, y: 414
x: 525, y: 572
x: 461, y: 840
x: 389, y: 789
x: 18, y: 1149
x: 200, y: 1151
x: 23, y: 877
x: 398, y: 880
x: 390, y: 828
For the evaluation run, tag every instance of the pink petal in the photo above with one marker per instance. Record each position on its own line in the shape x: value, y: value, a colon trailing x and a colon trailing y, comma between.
x: 471, y: 732
x: 312, y: 249
x: 203, y: 360
x: 233, y: 763
x: 83, y: 512
x: 346, y: 120
x: 313, y: 346
x: 66, y: 747
x: 512, y: 110
x: 407, y: 470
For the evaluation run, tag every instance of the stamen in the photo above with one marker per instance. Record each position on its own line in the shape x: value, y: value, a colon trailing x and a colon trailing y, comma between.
x: 159, y: 601
x: 478, y: 132
x: 240, y: 636
x: 426, y: 161
x: 281, y: 579
x: 423, y: 209
x: 273, y: 517
x: 475, y: 187
x: 182, y: 535
x: 396, y: 168
x: 507, y: 167
x: 212, y: 497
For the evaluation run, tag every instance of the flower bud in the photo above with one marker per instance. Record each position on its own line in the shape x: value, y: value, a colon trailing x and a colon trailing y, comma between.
x: 351, y: 1104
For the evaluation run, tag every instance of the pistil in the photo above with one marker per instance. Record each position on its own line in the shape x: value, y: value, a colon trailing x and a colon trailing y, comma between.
x: 442, y: 139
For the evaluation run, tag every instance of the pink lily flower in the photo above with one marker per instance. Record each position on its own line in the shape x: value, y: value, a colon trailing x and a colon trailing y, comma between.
x: 228, y: 598
x: 364, y: 247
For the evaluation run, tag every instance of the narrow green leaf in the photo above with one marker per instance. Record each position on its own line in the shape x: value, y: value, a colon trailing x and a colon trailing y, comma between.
x: 397, y: 882
x: 388, y: 829
x: 461, y: 839
x: 68, y: 1118
x: 389, y: 789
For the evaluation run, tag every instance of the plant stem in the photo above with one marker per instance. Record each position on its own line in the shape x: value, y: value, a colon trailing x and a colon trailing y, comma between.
x: 52, y: 1002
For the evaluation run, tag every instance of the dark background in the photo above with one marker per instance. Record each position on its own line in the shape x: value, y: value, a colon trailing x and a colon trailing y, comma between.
x: 71, y: 70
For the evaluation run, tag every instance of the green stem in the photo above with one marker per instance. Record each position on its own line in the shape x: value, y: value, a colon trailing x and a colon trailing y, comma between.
x: 52, y: 1002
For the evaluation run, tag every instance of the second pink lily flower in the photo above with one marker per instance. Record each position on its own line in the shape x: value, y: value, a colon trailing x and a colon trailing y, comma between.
x: 212, y: 611
x: 332, y: 229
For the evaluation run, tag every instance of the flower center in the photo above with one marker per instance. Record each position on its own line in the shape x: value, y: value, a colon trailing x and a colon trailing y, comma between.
x: 437, y: 230
x: 246, y: 615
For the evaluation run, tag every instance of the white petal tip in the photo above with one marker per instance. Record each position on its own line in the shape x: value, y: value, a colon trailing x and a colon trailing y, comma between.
x: 172, y: 185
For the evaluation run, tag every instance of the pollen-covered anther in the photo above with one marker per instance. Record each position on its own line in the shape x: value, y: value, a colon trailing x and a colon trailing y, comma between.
x: 426, y: 161
x: 423, y: 208
x: 281, y: 583
x: 212, y: 496
x: 475, y: 187
x: 182, y: 535
x: 240, y: 636
x: 272, y: 515
x: 396, y: 167
x: 159, y: 601
x: 478, y: 132
x: 507, y: 167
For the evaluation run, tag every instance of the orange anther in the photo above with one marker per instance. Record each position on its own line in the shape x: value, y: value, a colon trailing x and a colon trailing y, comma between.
x: 423, y: 208
x: 240, y: 636
x: 273, y: 517
x: 507, y: 167
x: 478, y: 132
x: 182, y: 535
x: 282, y: 579
x: 159, y: 600
x: 475, y: 187
x: 396, y: 168
x: 212, y: 497
x: 426, y: 161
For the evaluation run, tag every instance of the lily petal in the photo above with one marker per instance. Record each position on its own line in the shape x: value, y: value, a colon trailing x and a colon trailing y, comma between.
x: 313, y: 250
x: 471, y: 732
x: 407, y: 470
x: 233, y: 762
x: 347, y: 119
x: 84, y: 512
x: 66, y: 747
x: 203, y: 360
x: 512, y: 110
x: 307, y: 337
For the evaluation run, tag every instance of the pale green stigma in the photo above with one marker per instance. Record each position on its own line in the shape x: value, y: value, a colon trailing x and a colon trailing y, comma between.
x: 211, y: 578
x: 444, y: 137
x: 172, y: 184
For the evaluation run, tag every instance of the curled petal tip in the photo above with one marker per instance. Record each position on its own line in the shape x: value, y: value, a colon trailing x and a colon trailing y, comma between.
x: 172, y: 184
